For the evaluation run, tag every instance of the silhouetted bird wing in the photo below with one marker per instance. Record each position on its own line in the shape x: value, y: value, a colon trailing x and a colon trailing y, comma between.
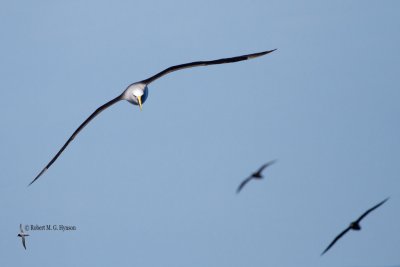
x: 371, y: 209
x: 20, y: 228
x: 265, y: 166
x: 336, y: 239
x: 23, y: 241
x: 91, y: 117
x: 204, y: 63
x: 245, y: 181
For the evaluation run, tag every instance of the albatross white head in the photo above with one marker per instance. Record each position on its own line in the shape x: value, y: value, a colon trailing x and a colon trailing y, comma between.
x: 136, y: 94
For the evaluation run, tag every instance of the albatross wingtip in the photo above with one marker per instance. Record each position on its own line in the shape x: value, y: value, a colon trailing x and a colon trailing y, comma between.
x: 37, y: 177
x: 270, y: 51
x: 260, y: 54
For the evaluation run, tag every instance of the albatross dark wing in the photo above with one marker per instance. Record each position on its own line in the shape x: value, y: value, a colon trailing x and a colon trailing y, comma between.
x: 371, y: 209
x: 91, y: 117
x: 265, y: 166
x: 23, y: 241
x: 243, y: 184
x: 336, y: 239
x: 205, y: 63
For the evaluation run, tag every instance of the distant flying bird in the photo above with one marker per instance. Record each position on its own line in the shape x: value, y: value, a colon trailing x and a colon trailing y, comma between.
x: 354, y: 225
x: 136, y: 93
x: 22, y: 235
x: 256, y: 175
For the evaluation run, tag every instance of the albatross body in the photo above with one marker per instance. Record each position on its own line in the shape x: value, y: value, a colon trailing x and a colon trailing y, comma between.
x: 136, y: 94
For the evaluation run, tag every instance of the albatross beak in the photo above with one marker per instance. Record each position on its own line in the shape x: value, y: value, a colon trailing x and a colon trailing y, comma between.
x: 140, y: 102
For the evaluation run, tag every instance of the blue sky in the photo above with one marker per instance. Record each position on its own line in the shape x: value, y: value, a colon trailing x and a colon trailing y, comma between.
x: 157, y: 187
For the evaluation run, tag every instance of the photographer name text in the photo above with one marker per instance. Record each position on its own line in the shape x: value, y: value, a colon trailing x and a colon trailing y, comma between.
x: 50, y: 227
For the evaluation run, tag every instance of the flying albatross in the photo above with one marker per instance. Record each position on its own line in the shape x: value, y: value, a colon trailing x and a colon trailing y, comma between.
x: 354, y: 225
x: 136, y: 93
x: 255, y: 175
x: 22, y: 235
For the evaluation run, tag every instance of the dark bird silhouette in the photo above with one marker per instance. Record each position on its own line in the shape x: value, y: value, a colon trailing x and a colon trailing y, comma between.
x: 354, y: 225
x: 256, y: 175
x: 22, y: 235
x: 136, y: 94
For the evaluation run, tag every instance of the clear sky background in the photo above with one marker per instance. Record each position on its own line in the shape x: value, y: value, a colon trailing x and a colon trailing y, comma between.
x: 157, y: 187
